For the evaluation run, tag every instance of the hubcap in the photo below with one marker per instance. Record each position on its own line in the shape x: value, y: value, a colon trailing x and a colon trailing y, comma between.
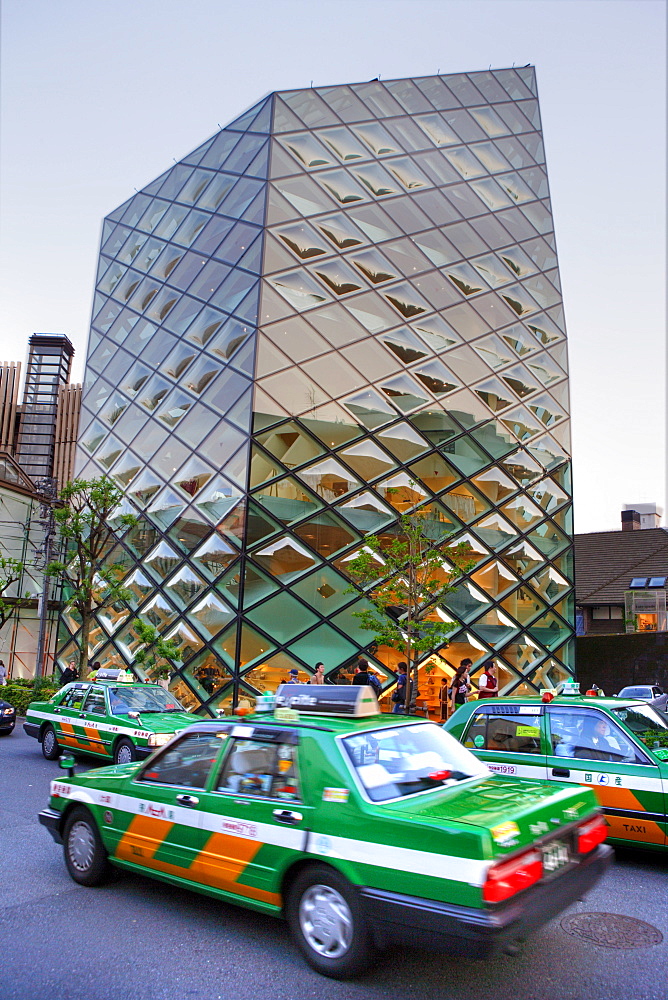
x: 81, y: 846
x: 49, y: 741
x: 326, y: 921
x: 124, y: 755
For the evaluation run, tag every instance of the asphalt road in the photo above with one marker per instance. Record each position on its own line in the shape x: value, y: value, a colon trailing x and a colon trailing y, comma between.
x: 136, y: 938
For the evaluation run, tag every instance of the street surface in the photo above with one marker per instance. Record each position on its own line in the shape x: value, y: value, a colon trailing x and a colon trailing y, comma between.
x: 136, y: 938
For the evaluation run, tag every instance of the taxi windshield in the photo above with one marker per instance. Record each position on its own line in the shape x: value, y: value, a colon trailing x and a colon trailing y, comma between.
x: 142, y: 699
x: 648, y: 724
x: 391, y: 763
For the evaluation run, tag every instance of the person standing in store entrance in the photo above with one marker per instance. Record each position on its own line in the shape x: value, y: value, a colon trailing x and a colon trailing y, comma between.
x: 399, y: 696
x: 3, y: 673
x: 319, y: 675
x: 443, y: 699
x: 461, y: 685
x: 488, y: 685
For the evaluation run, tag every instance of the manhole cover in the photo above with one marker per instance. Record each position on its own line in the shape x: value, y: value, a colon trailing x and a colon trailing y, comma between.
x: 612, y: 930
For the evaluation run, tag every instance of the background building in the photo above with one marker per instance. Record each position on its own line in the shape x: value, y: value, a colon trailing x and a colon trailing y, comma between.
x: 38, y: 432
x: 343, y: 306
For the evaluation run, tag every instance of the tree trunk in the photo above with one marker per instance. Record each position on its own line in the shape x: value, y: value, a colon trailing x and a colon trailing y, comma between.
x: 86, y: 620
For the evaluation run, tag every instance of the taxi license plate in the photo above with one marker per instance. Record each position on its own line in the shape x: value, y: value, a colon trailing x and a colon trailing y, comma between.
x: 555, y: 856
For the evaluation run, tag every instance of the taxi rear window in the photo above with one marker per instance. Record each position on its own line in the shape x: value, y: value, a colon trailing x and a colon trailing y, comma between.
x: 392, y: 763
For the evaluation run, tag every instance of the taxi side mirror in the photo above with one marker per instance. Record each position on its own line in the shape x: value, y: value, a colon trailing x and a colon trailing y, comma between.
x: 67, y: 764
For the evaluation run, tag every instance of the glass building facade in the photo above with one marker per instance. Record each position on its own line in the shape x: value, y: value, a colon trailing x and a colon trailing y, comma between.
x: 344, y: 306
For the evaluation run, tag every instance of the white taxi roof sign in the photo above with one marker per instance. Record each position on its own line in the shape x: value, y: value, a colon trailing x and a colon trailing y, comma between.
x: 358, y: 700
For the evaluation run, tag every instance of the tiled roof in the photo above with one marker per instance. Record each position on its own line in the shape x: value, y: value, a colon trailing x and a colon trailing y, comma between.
x: 605, y: 561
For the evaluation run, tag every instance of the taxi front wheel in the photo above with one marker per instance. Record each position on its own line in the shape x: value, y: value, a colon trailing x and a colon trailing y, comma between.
x: 50, y: 746
x: 124, y: 752
x: 327, y: 923
x: 85, y: 856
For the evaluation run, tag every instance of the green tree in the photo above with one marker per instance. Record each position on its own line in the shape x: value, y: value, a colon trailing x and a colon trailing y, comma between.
x: 158, y: 655
x: 11, y: 571
x: 82, y: 515
x: 404, y: 581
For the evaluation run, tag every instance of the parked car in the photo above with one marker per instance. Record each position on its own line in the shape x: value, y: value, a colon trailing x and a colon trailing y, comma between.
x: 114, y: 720
x: 353, y: 825
x: 7, y: 718
x: 648, y: 692
x: 617, y: 747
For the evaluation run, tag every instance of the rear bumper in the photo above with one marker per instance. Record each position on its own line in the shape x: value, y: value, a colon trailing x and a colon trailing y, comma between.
x: 478, y: 933
x: 51, y: 820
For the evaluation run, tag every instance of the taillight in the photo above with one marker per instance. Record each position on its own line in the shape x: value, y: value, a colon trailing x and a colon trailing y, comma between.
x: 510, y: 877
x: 591, y: 834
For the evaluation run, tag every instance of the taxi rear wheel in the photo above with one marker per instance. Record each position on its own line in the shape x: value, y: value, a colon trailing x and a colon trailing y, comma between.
x: 50, y: 746
x: 85, y: 855
x: 327, y: 923
x: 124, y: 752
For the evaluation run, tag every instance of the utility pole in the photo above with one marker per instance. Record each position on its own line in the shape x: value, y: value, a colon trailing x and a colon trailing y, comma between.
x: 47, y: 490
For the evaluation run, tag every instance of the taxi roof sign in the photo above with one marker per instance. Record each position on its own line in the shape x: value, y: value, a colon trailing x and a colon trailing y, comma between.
x: 358, y: 700
x: 109, y: 674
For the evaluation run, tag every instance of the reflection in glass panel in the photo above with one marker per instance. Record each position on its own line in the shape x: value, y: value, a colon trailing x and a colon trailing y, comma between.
x: 326, y: 533
x: 404, y: 442
x: 464, y: 645
x: 550, y: 631
x: 522, y: 468
x: 523, y: 558
x: 287, y: 500
x: 282, y: 617
x: 466, y: 601
x: 211, y: 614
x: 523, y: 605
x: 159, y: 612
x: 285, y: 559
x: 549, y: 674
x: 193, y: 476
x: 495, y: 578
x: 495, y: 485
x: 189, y: 530
x: 469, y: 550
x: 144, y: 487
x: 435, y: 377
x: 495, y: 438
x: 207, y: 674
x: 522, y: 512
x: 434, y: 472
x: 324, y: 590
x: 310, y: 648
x: 402, y: 491
x: 548, y: 539
x: 436, y: 521
x: 302, y: 240
x: 185, y: 586
x: 366, y: 512
x: 523, y: 654
x: 404, y: 392
x: 162, y: 560
x: 257, y: 586
x: 214, y: 556
x: 465, y: 502
x: 370, y: 409
x: 374, y: 267
x: 495, y: 531
x: 495, y: 627
x: 329, y: 479
x: 367, y: 460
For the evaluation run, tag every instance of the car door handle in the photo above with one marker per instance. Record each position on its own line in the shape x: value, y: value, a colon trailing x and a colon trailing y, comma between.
x: 187, y: 800
x: 561, y: 772
x: 287, y: 816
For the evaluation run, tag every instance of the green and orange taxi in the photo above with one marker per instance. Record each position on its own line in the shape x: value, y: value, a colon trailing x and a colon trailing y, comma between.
x: 617, y: 747
x: 354, y: 826
x: 108, y: 718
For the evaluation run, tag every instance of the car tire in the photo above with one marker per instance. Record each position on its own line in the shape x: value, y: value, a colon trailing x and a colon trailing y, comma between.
x: 124, y: 752
x: 327, y: 923
x: 50, y: 747
x: 85, y: 854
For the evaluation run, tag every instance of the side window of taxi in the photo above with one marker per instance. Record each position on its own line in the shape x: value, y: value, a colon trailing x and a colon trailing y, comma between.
x: 74, y: 698
x: 504, y: 733
x: 267, y: 770
x: 187, y: 763
x: 95, y: 702
x: 585, y: 735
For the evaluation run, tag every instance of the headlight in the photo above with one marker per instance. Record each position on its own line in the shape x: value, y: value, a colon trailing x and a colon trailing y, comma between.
x: 8, y: 711
x: 159, y: 739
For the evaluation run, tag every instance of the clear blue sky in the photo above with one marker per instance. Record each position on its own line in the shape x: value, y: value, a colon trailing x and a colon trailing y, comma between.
x: 99, y: 97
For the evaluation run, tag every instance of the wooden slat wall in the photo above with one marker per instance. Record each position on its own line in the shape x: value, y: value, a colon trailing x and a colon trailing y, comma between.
x: 67, y: 426
x: 10, y: 374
